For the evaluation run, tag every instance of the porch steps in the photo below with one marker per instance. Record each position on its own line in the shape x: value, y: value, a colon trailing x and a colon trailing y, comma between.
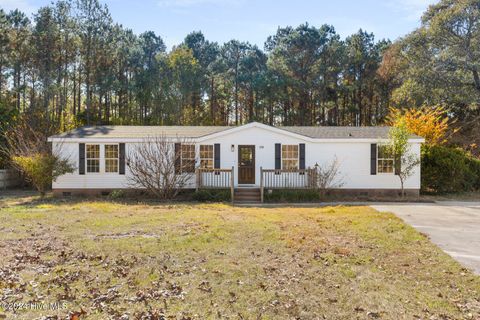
x: 247, y: 195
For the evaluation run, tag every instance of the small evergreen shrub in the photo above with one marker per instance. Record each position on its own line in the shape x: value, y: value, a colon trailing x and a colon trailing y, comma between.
x: 449, y: 170
x: 117, y: 194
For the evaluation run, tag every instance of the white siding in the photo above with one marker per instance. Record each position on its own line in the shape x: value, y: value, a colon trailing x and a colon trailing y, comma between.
x: 101, y: 180
x: 354, y: 157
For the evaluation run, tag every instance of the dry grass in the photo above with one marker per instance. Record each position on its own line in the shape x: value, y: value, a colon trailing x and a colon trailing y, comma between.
x: 187, y: 261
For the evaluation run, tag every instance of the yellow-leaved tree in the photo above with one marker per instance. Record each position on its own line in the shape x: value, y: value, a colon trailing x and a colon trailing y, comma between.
x: 430, y: 123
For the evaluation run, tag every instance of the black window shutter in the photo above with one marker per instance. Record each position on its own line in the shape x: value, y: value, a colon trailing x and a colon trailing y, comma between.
x: 81, y: 158
x: 216, y: 155
x: 301, y: 165
x: 121, y: 160
x: 278, y: 156
x: 373, y: 158
x: 398, y: 164
x: 178, y: 157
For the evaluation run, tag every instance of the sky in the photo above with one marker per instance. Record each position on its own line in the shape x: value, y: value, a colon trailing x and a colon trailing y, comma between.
x: 254, y: 20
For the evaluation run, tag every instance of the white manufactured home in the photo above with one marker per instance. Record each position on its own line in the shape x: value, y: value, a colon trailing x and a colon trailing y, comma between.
x: 254, y: 155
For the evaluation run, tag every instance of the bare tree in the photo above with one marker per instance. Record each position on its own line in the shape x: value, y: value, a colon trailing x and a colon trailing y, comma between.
x: 156, y: 165
x: 400, y: 147
x: 328, y: 176
x: 23, y: 140
x: 409, y: 162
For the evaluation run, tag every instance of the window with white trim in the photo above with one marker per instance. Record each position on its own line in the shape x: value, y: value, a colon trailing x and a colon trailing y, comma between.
x: 385, y: 160
x: 206, y: 156
x: 111, y: 158
x: 93, y: 158
x: 290, y: 156
x: 188, y: 157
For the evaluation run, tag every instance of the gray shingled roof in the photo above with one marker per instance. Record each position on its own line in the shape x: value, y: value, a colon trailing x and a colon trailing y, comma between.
x: 200, y: 131
x: 141, y: 131
x: 343, y: 132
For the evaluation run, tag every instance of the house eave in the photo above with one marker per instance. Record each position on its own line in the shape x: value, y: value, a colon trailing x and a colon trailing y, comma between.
x: 201, y: 139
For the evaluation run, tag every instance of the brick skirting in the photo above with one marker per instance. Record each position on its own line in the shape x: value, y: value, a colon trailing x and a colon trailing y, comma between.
x: 373, y: 193
x: 83, y: 192
x: 362, y: 193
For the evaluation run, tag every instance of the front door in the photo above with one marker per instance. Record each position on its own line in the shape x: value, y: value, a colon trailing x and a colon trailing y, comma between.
x: 246, y: 164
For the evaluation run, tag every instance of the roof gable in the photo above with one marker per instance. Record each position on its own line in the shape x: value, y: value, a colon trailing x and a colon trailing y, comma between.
x: 250, y: 125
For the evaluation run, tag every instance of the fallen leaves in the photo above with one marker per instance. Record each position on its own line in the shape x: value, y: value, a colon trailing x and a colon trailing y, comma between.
x: 205, y: 286
x: 243, y: 265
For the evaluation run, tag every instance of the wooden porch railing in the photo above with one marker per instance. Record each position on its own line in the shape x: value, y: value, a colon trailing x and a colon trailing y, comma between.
x: 215, y: 179
x: 269, y: 179
x: 286, y: 179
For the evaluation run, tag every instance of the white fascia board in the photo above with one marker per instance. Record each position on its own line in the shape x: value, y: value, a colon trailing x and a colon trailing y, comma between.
x: 111, y: 140
x: 199, y: 140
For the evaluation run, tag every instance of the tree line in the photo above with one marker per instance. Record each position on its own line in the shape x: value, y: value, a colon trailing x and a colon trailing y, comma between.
x: 71, y: 65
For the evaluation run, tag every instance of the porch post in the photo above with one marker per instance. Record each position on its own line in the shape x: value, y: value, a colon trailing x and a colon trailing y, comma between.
x: 232, y: 182
x: 197, y: 176
x: 261, y: 184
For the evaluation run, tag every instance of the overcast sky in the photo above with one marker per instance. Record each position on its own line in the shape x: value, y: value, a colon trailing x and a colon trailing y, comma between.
x: 255, y: 20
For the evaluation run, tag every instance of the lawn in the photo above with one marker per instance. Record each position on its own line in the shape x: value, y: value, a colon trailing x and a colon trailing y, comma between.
x: 111, y: 260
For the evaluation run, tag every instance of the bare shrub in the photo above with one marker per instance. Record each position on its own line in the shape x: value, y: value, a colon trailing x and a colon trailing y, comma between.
x: 400, y: 147
x: 328, y: 176
x: 156, y: 166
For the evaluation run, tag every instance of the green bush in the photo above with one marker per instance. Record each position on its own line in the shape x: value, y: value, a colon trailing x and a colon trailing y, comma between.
x: 212, y: 195
x: 293, y: 196
x: 41, y: 169
x: 117, y: 194
x: 474, y: 164
x: 447, y: 169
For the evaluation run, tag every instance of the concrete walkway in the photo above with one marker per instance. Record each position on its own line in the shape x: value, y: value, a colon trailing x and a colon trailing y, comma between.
x: 452, y: 225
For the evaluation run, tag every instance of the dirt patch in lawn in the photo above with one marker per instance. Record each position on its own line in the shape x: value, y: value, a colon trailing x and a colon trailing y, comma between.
x: 104, y: 260
x: 126, y: 235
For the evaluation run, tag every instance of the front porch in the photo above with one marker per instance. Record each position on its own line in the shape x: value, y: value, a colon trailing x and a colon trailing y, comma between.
x: 269, y: 179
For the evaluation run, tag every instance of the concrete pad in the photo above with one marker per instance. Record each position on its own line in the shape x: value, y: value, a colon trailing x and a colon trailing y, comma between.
x: 452, y: 225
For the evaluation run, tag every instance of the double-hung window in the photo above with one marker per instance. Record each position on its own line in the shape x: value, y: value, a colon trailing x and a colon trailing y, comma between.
x: 385, y: 160
x: 111, y: 158
x: 289, y: 156
x: 188, y: 157
x: 206, y: 156
x: 93, y: 158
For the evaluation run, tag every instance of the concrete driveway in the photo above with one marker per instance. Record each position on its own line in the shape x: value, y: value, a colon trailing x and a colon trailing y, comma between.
x: 453, y: 226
